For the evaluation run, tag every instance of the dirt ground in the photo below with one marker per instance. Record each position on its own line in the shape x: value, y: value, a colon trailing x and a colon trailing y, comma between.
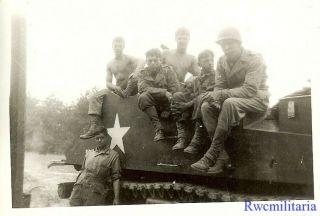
x: 42, y: 183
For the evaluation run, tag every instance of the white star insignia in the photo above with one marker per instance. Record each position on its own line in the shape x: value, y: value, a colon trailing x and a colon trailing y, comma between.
x: 117, y: 134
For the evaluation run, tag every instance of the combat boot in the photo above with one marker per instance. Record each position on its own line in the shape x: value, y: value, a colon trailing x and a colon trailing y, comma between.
x: 217, y: 168
x: 221, y: 164
x: 158, y: 136
x: 202, y: 165
x: 181, y: 142
x: 195, y: 144
x: 153, y: 115
x: 95, y: 127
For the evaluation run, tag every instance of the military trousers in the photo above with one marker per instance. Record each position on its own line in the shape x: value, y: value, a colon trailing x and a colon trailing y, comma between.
x: 89, y: 195
x: 232, y: 111
x: 193, y: 113
x: 96, y: 102
x: 157, y: 100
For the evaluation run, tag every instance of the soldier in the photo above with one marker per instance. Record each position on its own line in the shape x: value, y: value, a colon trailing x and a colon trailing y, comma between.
x: 182, y: 63
x: 124, y: 68
x: 100, y: 174
x: 179, y: 59
x: 240, y: 88
x: 156, y: 84
x: 188, y: 103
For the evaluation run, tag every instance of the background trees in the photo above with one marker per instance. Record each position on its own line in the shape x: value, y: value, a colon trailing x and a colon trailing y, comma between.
x: 51, y: 126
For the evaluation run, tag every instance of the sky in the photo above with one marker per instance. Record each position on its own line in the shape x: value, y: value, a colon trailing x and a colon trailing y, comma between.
x: 69, y: 42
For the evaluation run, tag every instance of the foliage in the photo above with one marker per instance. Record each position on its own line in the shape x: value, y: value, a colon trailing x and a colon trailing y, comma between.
x: 51, y: 126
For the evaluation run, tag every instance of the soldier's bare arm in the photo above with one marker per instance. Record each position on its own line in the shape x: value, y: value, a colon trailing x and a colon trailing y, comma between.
x: 109, y: 78
x: 194, y: 68
x: 116, y: 169
x: 173, y: 84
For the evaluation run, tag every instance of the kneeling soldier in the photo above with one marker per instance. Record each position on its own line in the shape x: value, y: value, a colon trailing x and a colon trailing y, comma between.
x: 156, y: 84
x: 187, y: 104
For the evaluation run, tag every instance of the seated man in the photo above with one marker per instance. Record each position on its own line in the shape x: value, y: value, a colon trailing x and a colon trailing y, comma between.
x: 240, y: 88
x: 156, y: 84
x: 99, y: 175
x: 187, y: 104
x: 124, y: 68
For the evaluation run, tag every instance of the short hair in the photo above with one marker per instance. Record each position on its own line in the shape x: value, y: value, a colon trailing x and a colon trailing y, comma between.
x: 104, y: 132
x: 118, y: 39
x: 182, y: 30
x: 205, y: 53
x: 153, y: 52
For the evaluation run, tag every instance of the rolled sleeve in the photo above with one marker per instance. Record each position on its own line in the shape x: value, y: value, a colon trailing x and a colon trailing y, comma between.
x: 116, y: 168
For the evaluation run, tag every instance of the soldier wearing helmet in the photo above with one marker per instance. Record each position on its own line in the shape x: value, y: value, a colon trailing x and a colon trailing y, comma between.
x: 240, y: 88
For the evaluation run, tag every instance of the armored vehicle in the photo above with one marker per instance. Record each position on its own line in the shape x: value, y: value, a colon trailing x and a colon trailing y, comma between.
x: 271, y: 158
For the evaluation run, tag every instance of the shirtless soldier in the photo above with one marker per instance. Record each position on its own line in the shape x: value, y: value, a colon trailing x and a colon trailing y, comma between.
x: 124, y: 68
x: 182, y: 63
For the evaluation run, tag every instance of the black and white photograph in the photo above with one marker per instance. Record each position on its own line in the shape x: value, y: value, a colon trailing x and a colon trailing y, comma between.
x: 152, y: 107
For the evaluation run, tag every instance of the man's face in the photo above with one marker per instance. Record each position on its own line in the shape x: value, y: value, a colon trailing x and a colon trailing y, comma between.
x: 153, y: 62
x: 206, y: 63
x: 118, y: 47
x: 231, y: 48
x: 101, y: 140
x: 182, y: 40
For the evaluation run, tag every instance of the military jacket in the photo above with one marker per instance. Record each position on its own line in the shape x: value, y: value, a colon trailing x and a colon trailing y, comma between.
x: 246, y: 79
x: 165, y: 80
x: 201, y: 84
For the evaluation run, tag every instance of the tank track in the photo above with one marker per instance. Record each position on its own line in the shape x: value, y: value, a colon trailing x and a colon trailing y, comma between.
x: 172, y: 192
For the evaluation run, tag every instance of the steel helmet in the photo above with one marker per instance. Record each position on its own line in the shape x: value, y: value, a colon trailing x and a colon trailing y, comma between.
x: 229, y: 33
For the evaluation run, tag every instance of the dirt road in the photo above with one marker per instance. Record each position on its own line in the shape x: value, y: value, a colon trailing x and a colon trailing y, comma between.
x: 42, y: 182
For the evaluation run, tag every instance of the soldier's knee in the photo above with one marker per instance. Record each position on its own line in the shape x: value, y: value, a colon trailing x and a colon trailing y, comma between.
x: 229, y: 105
x: 230, y: 102
x: 144, y: 100
x: 205, y: 107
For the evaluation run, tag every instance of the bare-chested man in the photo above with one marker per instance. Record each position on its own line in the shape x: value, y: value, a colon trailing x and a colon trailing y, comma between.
x: 182, y: 63
x: 178, y: 58
x: 124, y: 68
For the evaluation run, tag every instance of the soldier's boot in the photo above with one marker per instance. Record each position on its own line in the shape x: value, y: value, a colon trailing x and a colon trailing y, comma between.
x: 195, y: 144
x: 203, y: 164
x: 95, y: 128
x: 181, y: 142
x: 153, y: 115
x: 221, y: 164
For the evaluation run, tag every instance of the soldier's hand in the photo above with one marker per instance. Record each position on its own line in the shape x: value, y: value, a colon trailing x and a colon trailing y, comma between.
x: 165, y: 114
x: 182, y: 106
x: 169, y: 96
x: 119, y: 91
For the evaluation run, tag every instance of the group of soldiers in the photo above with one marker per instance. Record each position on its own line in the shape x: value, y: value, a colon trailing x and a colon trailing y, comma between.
x: 214, y: 101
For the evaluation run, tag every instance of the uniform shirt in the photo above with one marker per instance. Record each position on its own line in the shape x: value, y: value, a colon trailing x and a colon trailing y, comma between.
x: 165, y: 80
x: 246, y: 79
x: 100, y: 167
x: 181, y: 63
